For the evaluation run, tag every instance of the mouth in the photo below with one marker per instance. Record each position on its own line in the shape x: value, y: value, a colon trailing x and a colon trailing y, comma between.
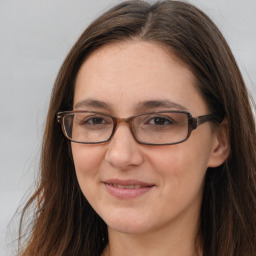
x: 126, y: 186
x: 127, y: 189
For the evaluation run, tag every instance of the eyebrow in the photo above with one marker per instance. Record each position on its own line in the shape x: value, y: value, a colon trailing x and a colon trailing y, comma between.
x: 92, y: 103
x: 141, y: 106
x: 167, y: 104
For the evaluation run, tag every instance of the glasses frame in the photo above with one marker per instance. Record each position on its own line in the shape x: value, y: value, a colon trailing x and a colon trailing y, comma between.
x: 193, y: 123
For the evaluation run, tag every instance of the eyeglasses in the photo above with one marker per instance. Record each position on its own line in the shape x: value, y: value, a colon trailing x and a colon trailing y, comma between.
x: 156, y: 128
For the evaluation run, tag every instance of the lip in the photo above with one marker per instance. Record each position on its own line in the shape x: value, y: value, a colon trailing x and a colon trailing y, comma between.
x: 127, y: 189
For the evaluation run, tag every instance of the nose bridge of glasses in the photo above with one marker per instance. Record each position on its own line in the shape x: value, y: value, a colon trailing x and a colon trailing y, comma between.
x: 127, y: 121
x: 124, y: 120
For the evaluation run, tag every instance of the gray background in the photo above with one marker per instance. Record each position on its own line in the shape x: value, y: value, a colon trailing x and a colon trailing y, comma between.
x: 35, y: 36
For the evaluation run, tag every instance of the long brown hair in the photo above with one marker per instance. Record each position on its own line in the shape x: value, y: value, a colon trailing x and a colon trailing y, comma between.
x: 63, y: 222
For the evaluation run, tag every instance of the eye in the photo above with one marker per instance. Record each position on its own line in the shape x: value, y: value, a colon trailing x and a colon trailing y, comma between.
x: 92, y: 121
x: 160, y: 120
x: 95, y: 120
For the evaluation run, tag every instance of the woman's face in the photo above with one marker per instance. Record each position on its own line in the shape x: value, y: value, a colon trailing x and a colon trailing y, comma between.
x: 137, y: 188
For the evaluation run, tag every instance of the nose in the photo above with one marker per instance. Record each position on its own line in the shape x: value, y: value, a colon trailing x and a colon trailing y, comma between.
x: 123, y: 151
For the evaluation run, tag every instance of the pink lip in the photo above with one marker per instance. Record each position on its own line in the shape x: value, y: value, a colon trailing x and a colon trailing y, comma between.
x: 122, y: 188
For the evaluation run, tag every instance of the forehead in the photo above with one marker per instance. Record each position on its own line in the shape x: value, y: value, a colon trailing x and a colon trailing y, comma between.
x: 125, y: 73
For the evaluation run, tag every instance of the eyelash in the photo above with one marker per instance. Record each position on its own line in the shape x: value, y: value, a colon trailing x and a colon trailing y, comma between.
x: 162, y: 118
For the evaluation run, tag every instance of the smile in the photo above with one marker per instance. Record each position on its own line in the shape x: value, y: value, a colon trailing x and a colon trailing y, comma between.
x: 127, y: 189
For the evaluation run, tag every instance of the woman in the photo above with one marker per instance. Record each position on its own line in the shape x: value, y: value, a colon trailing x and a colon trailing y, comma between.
x: 149, y: 146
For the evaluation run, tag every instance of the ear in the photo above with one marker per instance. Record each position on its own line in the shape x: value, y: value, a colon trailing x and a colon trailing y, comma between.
x: 221, y: 146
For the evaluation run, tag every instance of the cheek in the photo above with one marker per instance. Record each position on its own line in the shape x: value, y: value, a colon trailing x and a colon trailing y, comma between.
x: 87, y: 159
x: 181, y: 167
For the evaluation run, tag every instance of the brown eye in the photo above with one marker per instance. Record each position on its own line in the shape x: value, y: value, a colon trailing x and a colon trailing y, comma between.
x: 95, y: 120
x: 160, y: 120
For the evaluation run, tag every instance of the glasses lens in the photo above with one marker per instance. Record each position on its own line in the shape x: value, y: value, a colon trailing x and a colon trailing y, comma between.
x: 88, y: 127
x: 161, y: 128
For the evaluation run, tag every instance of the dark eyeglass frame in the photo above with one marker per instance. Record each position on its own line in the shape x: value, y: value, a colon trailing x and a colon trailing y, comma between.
x: 193, y: 123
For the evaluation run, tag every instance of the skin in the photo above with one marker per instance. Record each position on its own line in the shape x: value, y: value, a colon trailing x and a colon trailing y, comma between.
x: 162, y: 221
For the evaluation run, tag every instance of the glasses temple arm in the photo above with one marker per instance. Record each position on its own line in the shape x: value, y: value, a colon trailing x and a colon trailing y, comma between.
x: 211, y: 117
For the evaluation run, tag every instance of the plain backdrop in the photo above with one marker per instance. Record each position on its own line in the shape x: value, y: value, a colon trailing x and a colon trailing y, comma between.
x: 35, y: 36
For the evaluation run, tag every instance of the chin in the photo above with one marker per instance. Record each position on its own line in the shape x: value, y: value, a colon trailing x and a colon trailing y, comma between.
x: 126, y: 221
x: 128, y: 227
